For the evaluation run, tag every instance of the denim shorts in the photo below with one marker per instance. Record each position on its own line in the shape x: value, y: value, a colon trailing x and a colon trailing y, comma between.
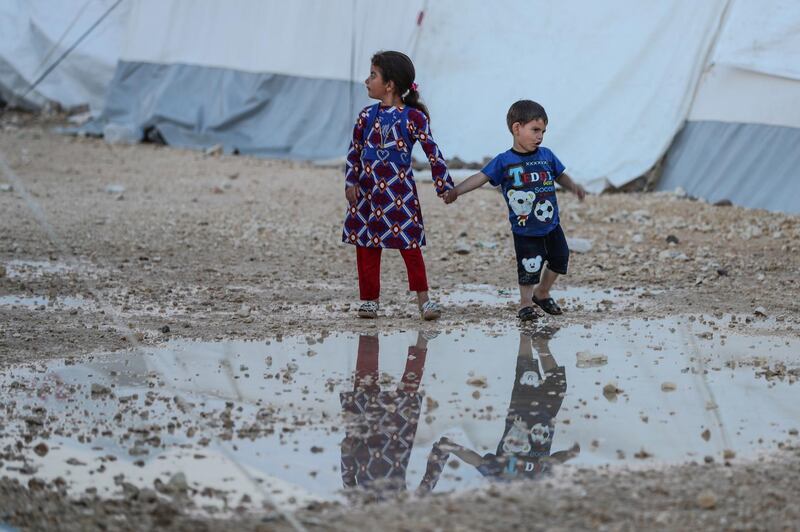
x: 534, y: 251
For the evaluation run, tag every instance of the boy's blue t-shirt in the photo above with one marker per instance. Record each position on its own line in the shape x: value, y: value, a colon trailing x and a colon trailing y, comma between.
x: 528, y: 184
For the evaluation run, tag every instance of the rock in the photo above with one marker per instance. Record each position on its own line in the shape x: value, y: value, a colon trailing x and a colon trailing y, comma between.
x: 587, y: 359
x: 486, y: 245
x: 728, y: 454
x: 214, y: 151
x: 479, y: 382
x: 706, y: 500
x: 642, y: 455
x: 462, y: 248
x: 165, y: 329
x: 672, y: 239
x: 611, y: 390
x: 114, y: 189
x: 2, y: 271
x: 679, y: 192
x: 5, y: 187
x: 99, y: 389
x: 723, y: 203
x: 706, y: 435
x: 41, y: 449
x: 668, y: 386
x: 722, y: 272
x: 760, y: 311
x: 177, y: 484
x: 579, y: 245
x: 637, y: 238
x: 244, y: 311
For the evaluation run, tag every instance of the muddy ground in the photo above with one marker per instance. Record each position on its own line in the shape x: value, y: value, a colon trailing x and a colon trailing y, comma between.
x: 165, y: 242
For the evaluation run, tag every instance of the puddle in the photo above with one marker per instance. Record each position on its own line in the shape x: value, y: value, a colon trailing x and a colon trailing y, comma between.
x: 298, y: 420
x: 42, y: 302
x: 573, y: 297
x: 37, y: 268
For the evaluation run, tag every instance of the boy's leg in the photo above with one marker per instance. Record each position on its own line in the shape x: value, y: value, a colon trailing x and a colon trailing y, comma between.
x: 530, y: 256
x: 368, y: 261
x: 557, y: 253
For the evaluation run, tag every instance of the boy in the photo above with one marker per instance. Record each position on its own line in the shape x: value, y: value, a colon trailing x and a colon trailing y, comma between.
x: 527, y: 174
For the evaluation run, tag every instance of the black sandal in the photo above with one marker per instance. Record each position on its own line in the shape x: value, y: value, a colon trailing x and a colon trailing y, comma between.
x: 528, y: 314
x: 548, y: 305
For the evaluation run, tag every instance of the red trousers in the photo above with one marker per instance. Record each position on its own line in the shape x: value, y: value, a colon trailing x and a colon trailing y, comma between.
x: 369, y: 271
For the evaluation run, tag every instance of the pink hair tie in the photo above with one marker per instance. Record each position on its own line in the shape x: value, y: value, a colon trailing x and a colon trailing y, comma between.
x: 414, y: 87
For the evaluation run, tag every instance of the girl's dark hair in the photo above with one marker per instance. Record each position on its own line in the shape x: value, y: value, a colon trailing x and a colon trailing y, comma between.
x: 397, y: 67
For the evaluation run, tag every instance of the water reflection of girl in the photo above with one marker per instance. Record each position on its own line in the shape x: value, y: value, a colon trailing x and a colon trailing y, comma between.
x: 524, y: 449
x: 381, y: 425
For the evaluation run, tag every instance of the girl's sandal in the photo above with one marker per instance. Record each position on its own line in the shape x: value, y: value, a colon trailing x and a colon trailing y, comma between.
x: 430, y: 311
x: 368, y: 310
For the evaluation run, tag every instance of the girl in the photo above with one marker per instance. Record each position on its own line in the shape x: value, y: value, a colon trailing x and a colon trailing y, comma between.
x: 384, y: 207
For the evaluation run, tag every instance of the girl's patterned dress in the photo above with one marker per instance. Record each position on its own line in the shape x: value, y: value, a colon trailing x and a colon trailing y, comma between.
x: 388, y: 214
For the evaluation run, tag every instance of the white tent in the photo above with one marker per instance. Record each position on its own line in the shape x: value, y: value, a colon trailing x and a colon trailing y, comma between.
x: 618, y: 79
x: 742, y: 138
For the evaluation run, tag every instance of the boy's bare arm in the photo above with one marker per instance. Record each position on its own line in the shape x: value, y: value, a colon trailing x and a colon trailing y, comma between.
x: 566, y: 181
x: 469, y: 184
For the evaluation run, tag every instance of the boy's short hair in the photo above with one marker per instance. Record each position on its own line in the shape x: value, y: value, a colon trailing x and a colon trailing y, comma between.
x: 524, y: 111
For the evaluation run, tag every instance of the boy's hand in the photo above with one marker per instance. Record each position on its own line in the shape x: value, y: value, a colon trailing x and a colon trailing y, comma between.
x: 580, y: 191
x: 351, y: 193
x: 449, y: 196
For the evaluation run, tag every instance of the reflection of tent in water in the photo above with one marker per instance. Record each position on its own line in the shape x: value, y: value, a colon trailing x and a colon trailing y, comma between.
x: 263, y: 78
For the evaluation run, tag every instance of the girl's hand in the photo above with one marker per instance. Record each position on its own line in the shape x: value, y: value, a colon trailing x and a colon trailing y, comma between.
x: 449, y: 196
x: 351, y: 193
x: 580, y: 191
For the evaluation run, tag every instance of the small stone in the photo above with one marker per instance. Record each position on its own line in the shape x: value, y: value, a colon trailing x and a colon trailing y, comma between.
x: 165, y: 329
x: 760, y: 311
x: 114, y: 189
x: 672, y: 239
x: 479, y: 382
x: 723, y: 203
x: 728, y: 454
x: 579, y: 245
x: 316, y: 450
x: 177, y: 483
x: 476, y: 394
x: 244, y: 311
x: 462, y: 248
x: 642, y: 455
x: 2, y: 271
x: 214, y: 151
x: 587, y: 359
x: 610, y: 390
x: 706, y: 434
x: 722, y: 272
x: 41, y: 449
x: 99, y: 389
x: 668, y: 386
x: 706, y: 500
x: 5, y: 187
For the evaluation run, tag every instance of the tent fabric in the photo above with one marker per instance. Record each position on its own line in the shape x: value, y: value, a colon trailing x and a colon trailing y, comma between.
x: 34, y: 34
x: 616, y: 78
x: 259, y: 114
x: 740, y: 141
x: 752, y: 165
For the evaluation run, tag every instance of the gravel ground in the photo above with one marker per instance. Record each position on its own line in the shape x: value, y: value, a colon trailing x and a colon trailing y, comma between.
x: 163, y: 242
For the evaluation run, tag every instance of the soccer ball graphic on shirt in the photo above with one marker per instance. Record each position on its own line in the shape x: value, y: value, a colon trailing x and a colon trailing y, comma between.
x: 544, y: 211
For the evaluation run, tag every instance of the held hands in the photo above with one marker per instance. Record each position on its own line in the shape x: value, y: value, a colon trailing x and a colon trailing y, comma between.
x: 351, y: 193
x: 449, y: 196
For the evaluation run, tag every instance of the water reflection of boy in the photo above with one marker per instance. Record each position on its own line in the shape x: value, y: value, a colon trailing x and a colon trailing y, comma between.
x: 381, y: 425
x: 524, y: 449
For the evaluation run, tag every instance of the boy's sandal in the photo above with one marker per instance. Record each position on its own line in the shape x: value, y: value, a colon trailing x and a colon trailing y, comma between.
x: 368, y: 310
x: 528, y: 314
x: 430, y: 311
x: 548, y: 305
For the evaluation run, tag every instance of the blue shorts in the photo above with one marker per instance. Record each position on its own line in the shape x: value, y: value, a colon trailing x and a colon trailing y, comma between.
x: 534, y: 251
